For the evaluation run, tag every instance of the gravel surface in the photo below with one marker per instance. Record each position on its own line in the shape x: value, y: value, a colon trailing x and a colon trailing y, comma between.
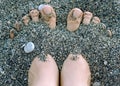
x: 94, y: 42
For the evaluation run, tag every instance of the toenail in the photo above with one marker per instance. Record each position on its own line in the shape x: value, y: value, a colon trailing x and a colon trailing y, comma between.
x: 77, y: 13
x: 88, y: 14
x: 26, y: 19
x: 34, y: 13
x: 12, y: 33
x: 17, y: 26
x: 47, y: 10
x: 87, y: 17
x: 96, y: 20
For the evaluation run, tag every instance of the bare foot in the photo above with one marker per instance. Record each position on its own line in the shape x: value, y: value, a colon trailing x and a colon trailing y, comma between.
x: 75, y: 71
x: 48, y: 15
x: 43, y: 73
x: 74, y: 19
x: 34, y: 14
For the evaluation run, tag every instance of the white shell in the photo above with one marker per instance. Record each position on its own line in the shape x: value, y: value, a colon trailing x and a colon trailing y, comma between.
x: 29, y: 47
x: 41, y: 6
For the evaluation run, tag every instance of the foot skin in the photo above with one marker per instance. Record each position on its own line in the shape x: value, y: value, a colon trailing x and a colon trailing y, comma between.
x: 75, y: 71
x: 74, y: 19
x: 87, y: 18
x: 43, y: 73
x: 48, y: 15
x: 34, y: 14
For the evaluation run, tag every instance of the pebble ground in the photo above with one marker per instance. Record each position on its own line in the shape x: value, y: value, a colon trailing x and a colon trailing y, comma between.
x: 92, y: 41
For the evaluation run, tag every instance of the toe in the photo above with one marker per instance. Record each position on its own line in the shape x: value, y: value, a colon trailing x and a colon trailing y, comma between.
x: 74, y: 19
x: 87, y: 17
x: 34, y: 14
x: 49, y: 16
x: 96, y: 20
x: 26, y: 19
x: 47, y: 9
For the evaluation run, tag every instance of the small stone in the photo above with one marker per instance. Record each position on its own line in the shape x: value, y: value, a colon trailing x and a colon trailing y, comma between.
x: 109, y: 33
x: 47, y: 1
x: 29, y: 47
x: 1, y: 71
x: 105, y: 62
x: 96, y: 84
x: 41, y: 7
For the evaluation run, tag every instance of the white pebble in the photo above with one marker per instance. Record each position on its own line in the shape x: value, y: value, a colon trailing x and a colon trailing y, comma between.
x: 29, y: 47
x: 105, y: 62
x: 41, y: 6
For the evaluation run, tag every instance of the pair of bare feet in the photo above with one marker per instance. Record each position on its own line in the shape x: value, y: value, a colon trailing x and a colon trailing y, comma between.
x: 75, y: 72
x: 48, y: 15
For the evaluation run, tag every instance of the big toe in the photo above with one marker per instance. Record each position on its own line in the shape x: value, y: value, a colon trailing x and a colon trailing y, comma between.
x: 74, y: 19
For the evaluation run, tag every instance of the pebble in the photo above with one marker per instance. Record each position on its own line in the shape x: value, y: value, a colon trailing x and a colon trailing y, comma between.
x: 96, y: 84
x: 29, y: 47
x: 109, y: 33
x: 0, y: 24
x: 47, y: 1
x: 1, y: 71
x: 105, y: 62
x: 41, y: 6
